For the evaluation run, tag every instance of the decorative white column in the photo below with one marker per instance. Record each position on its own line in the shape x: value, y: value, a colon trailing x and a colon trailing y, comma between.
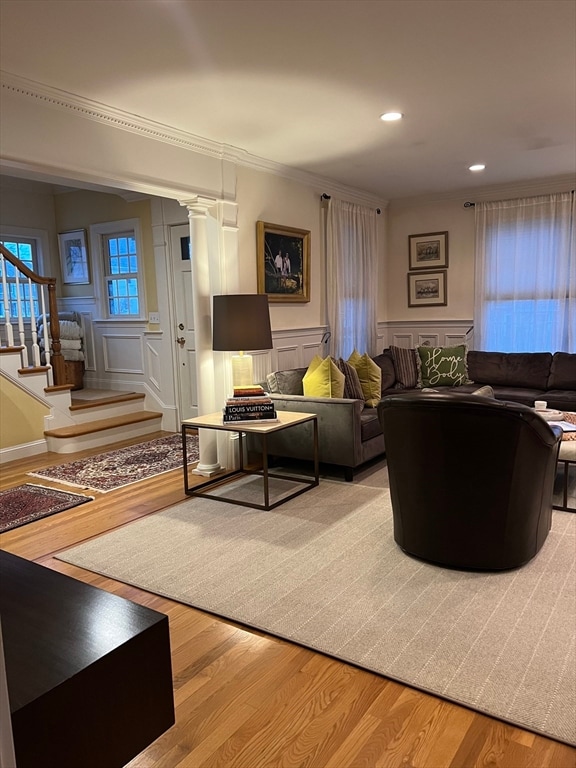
x: 198, y: 208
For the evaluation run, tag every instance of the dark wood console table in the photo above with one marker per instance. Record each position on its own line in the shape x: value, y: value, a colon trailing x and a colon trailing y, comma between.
x: 88, y: 673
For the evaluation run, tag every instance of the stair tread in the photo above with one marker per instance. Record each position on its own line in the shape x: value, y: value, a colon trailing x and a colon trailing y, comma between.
x: 121, y: 398
x: 75, y: 430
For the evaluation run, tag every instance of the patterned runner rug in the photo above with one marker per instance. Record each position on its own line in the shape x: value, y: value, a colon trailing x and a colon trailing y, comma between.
x: 115, y: 469
x: 29, y: 502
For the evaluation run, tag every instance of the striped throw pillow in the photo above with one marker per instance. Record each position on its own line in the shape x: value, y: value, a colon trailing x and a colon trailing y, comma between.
x: 405, y: 366
x: 352, y: 386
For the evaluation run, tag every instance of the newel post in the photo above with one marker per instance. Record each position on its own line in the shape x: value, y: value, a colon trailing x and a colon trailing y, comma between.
x: 56, y: 358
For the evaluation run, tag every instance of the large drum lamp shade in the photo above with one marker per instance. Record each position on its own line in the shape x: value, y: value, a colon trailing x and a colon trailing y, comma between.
x: 240, y: 322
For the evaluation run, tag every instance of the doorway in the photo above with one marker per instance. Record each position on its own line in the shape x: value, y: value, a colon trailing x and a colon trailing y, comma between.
x: 183, y: 332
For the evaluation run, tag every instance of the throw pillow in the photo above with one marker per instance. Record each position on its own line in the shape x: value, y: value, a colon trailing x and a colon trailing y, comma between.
x: 442, y: 366
x: 286, y: 382
x: 485, y: 391
x: 405, y: 366
x: 352, y: 386
x: 386, y: 365
x: 370, y: 376
x: 323, y: 378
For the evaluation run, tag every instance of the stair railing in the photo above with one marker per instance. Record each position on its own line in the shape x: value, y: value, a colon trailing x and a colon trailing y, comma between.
x: 23, y: 302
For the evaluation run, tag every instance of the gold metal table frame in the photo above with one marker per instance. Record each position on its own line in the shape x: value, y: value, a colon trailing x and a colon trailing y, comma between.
x: 286, y: 419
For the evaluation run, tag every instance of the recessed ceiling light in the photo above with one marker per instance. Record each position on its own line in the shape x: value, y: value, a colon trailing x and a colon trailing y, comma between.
x: 477, y: 167
x: 388, y: 117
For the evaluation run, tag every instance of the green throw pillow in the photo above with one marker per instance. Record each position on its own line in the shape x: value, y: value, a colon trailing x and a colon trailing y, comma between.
x: 442, y: 366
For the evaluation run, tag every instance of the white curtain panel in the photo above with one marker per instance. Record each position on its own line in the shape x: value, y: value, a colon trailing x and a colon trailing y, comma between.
x: 525, y: 288
x: 352, y: 277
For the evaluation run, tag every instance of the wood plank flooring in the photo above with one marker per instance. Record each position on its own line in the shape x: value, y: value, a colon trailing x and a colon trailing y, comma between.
x: 247, y: 700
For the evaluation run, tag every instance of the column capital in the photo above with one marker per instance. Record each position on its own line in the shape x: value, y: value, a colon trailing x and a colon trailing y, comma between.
x: 198, y: 205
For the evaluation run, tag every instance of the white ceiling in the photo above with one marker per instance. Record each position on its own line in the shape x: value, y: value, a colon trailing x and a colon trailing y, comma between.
x: 303, y: 82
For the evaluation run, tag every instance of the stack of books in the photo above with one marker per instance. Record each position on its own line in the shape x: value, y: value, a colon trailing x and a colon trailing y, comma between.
x: 249, y: 404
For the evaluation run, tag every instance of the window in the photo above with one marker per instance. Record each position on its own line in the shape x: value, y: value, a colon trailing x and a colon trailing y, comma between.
x: 117, y: 245
x: 17, y: 285
x: 526, y: 275
x: 121, y: 274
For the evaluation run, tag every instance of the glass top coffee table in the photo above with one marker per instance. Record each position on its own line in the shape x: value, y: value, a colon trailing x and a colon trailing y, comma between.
x: 212, y: 488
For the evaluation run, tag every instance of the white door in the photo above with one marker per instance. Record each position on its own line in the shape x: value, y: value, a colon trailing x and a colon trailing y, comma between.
x: 183, y: 332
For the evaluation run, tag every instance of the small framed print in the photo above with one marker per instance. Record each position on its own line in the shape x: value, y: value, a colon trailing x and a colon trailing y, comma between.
x: 427, y: 289
x: 74, y: 257
x: 428, y: 251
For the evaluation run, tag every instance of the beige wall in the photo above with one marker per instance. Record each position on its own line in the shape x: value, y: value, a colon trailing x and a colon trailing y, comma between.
x: 80, y: 209
x: 26, y: 422
x: 416, y: 216
x: 412, y: 218
x: 276, y: 200
x: 25, y: 205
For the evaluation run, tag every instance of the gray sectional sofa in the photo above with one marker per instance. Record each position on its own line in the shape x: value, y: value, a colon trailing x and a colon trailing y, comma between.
x: 350, y: 434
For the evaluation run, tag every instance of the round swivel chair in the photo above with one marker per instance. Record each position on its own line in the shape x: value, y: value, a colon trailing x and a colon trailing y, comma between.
x: 471, y: 478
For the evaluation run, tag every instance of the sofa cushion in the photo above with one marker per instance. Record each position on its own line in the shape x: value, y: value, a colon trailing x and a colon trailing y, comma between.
x: 369, y: 424
x: 442, y: 366
x: 352, y: 386
x: 386, y: 365
x: 370, y: 376
x: 510, y: 369
x: 561, y: 399
x: 405, y: 367
x: 286, y: 382
x: 323, y: 378
x: 562, y: 371
x: 520, y: 395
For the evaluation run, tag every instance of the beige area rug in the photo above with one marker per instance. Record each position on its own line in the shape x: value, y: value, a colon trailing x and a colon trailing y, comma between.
x: 323, y: 570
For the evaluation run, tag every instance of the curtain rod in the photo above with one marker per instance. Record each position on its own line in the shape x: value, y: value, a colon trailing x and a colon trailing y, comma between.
x: 468, y: 204
x: 324, y: 196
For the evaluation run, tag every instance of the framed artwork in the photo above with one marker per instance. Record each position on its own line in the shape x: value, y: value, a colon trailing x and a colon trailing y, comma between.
x: 427, y: 289
x: 428, y: 251
x: 74, y: 257
x: 283, y: 255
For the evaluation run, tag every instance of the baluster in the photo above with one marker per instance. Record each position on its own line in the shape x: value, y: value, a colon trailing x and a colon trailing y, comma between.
x: 20, y: 318
x: 33, y: 326
x: 47, y: 353
x: 6, y: 295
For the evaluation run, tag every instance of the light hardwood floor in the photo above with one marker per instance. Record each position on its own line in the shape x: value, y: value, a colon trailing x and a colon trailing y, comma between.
x: 247, y: 700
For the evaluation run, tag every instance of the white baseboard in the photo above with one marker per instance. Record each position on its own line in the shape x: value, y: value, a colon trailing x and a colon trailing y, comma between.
x: 16, y: 452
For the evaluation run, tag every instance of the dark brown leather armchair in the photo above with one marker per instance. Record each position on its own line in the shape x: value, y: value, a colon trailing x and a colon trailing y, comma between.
x: 471, y: 478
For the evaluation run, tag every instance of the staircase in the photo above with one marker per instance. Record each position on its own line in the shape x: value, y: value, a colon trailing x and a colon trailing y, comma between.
x: 74, y: 422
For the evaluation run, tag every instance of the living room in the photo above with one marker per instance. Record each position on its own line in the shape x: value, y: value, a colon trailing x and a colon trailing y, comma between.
x: 72, y: 161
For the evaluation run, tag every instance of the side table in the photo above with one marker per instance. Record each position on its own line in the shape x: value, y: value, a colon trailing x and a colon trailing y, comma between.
x: 566, y: 456
x: 286, y: 419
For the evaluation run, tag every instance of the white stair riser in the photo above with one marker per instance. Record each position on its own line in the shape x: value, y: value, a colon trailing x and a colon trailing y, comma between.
x: 106, y: 411
x: 103, y: 438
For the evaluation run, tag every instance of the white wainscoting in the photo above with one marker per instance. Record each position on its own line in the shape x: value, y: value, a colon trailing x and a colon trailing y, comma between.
x: 433, y: 333
x: 293, y: 348
x: 296, y: 348
x: 125, y: 356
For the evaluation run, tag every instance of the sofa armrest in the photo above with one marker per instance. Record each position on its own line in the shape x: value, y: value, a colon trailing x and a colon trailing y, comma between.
x: 339, y: 429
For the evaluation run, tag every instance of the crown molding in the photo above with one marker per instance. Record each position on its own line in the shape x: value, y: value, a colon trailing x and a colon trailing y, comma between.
x: 56, y: 98
x: 527, y: 188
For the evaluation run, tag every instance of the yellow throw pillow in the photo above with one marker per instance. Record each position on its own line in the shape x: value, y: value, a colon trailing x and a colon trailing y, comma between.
x: 370, y: 375
x: 354, y: 358
x: 323, y: 379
